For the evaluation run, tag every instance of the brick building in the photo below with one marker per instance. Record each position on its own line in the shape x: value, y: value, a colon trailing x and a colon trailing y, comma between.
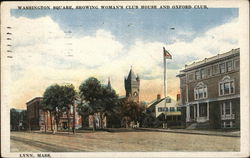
x: 210, y: 91
x: 38, y: 119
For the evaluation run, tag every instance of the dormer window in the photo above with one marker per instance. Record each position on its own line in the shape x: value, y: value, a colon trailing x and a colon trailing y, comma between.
x: 200, y: 91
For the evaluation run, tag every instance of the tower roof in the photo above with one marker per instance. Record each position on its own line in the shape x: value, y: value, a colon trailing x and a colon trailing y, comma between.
x: 131, y: 75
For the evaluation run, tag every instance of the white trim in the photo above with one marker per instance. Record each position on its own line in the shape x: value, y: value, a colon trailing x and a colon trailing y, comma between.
x: 204, y: 91
x: 198, y: 110
x: 225, y: 116
x: 215, y: 99
x: 226, y: 79
x: 207, y: 110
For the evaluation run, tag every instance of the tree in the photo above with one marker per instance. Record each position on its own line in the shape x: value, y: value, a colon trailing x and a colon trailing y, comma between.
x: 109, y: 101
x: 51, y: 100
x: 14, y: 119
x: 90, y: 91
x: 131, y: 111
x: 84, y: 110
x: 58, y: 99
x: 67, y: 99
x: 24, y: 119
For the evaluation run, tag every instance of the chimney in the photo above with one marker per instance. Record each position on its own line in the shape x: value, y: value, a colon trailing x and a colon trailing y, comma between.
x: 178, y: 97
x: 158, y: 96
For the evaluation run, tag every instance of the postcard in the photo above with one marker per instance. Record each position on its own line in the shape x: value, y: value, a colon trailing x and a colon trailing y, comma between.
x: 125, y: 79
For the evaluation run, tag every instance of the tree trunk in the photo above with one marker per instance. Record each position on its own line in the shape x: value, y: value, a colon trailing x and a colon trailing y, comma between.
x: 74, y: 119
x: 45, y: 122
x: 51, y: 124
x: 94, y: 125
x: 101, y: 125
x: 82, y: 120
x: 68, y: 120
x: 57, y: 123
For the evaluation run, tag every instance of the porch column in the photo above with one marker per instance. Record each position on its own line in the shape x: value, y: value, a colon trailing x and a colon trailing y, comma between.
x: 187, y: 113
x: 194, y: 112
x: 198, y: 111
x: 207, y: 110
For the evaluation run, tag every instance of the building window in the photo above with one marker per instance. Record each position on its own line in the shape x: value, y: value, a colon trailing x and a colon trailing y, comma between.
x: 168, y: 100
x: 203, y: 110
x: 197, y: 75
x: 178, y: 108
x: 200, y: 91
x: 227, y: 111
x: 209, y: 71
x: 237, y: 64
x: 226, y: 86
x: 222, y: 68
x: 229, y: 66
x: 215, y: 69
x: 191, y: 77
x: 228, y: 124
x: 203, y: 73
x: 226, y: 108
x: 172, y: 109
x: 159, y: 109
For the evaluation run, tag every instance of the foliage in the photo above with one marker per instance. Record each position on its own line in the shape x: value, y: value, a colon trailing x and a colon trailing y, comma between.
x: 14, y: 119
x: 51, y: 98
x: 96, y: 98
x: 18, y: 119
x: 58, y: 99
x: 131, y: 111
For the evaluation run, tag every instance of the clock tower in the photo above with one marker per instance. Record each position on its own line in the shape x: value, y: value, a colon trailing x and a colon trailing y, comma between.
x: 132, y: 86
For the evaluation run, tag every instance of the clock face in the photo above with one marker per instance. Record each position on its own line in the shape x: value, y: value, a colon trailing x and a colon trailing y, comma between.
x: 135, y: 94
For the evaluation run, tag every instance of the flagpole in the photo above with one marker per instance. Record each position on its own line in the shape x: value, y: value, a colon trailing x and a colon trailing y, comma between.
x: 164, y: 73
x: 165, y: 85
x: 166, y: 55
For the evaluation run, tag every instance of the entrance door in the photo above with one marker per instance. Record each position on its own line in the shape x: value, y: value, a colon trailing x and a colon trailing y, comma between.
x: 65, y: 125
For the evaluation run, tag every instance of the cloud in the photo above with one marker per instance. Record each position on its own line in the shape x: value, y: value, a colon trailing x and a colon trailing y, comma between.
x: 45, y: 54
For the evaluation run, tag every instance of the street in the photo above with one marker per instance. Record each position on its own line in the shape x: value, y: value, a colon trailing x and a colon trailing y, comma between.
x: 120, y: 141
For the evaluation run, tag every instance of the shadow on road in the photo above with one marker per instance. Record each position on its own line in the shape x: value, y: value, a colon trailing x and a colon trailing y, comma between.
x: 42, y: 145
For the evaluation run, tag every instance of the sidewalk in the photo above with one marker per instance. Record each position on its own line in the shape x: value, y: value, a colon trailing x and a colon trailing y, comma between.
x: 198, y: 132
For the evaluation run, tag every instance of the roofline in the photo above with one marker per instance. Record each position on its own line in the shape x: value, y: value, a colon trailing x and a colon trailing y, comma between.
x: 204, y: 62
x: 33, y: 100
x: 159, y: 100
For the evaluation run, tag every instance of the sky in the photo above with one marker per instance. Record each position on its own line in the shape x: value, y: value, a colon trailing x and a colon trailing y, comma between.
x: 68, y: 46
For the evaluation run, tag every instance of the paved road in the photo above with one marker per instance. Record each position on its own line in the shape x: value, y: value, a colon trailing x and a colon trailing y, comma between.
x: 121, y: 141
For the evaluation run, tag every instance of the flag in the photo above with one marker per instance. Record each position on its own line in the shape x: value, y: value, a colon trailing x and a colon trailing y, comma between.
x: 166, y: 54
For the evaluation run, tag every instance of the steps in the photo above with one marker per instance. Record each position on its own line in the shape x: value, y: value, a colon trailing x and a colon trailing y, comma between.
x: 192, y: 126
x: 198, y: 125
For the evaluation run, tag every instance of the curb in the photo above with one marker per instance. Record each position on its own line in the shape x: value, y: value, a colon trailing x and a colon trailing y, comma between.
x: 186, y: 132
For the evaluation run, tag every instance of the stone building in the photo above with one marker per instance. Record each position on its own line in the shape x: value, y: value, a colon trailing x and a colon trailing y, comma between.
x: 39, y: 119
x: 210, y: 91
x: 132, y: 86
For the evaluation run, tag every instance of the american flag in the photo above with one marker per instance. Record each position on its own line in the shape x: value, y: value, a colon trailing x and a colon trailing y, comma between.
x: 166, y: 54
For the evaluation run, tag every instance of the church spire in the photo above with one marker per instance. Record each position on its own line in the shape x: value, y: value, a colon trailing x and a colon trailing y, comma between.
x: 109, y: 84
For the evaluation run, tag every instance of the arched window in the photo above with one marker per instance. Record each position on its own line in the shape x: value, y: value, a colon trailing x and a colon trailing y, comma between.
x: 200, y: 91
x: 226, y: 86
